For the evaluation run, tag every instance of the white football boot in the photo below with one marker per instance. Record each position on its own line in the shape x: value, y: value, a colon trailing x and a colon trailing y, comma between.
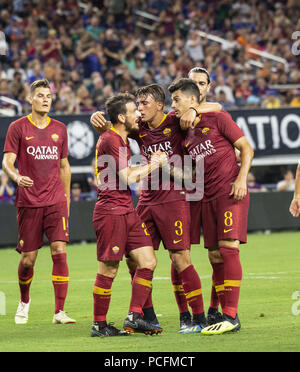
x: 21, y: 316
x: 62, y: 318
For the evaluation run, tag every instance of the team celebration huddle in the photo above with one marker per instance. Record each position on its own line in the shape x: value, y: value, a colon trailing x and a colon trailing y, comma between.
x: 178, y: 204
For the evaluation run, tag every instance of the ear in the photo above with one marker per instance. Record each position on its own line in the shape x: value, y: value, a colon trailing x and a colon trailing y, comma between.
x: 29, y: 99
x: 121, y: 118
x: 208, y: 87
x: 160, y: 106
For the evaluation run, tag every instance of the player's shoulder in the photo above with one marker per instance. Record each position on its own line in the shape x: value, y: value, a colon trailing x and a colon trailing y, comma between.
x: 171, y: 120
x: 171, y: 117
x: 110, y: 137
x: 57, y: 123
x: 220, y: 116
x: 17, y: 126
x: 19, y: 122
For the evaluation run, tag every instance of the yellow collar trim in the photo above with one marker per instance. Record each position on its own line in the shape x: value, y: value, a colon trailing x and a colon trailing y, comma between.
x: 32, y: 122
x: 162, y: 120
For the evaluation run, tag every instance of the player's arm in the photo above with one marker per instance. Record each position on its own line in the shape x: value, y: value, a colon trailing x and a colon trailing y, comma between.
x: 239, y: 187
x: 131, y: 175
x: 99, y: 123
x: 65, y: 176
x: 188, y: 118
x: 295, y: 203
x: 8, y: 165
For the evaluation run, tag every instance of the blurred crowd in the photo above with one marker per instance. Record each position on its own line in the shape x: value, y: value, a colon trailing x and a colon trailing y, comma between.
x: 90, y: 49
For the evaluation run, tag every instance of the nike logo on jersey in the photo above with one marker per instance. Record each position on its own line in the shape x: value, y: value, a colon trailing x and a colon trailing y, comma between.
x: 28, y: 138
x: 226, y: 231
x: 176, y: 241
x: 143, y: 135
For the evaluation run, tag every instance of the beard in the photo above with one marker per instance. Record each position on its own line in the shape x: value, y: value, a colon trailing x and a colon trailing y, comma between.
x: 129, y: 128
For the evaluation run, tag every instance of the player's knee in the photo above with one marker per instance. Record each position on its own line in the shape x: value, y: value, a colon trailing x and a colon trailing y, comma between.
x: 28, y: 261
x: 58, y: 248
x: 215, y: 256
x: 149, y: 263
x: 181, y: 259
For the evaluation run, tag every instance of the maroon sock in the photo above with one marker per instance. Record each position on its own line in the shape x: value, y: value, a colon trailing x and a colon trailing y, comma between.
x: 141, y: 288
x: 218, y: 285
x: 192, y: 288
x: 148, y: 302
x: 102, y: 295
x: 60, y: 280
x: 25, y: 275
x: 214, y: 299
x: 232, y: 279
x: 178, y: 291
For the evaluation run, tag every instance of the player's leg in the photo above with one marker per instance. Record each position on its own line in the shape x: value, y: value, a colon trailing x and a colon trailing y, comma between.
x: 144, y: 212
x: 148, y: 309
x: 139, y: 248
x: 210, y: 235
x: 110, y: 251
x: 141, y: 289
x: 107, y: 271
x: 56, y: 228
x: 232, y: 229
x: 60, y: 281
x: 172, y: 221
x: 191, y: 284
x: 30, y: 239
x: 182, y: 304
x: 25, y: 275
x: 217, y: 290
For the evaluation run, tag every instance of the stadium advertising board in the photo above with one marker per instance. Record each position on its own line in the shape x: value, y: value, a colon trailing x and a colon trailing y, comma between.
x: 270, y: 132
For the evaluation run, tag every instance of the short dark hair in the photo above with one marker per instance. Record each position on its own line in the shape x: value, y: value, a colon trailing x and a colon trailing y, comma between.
x: 116, y: 105
x: 155, y: 90
x: 200, y: 70
x: 44, y: 83
x: 187, y: 86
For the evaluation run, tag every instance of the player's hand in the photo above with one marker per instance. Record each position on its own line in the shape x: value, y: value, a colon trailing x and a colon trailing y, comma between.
x: 238, y: 190
x: 98, y: 121
x: 24, y: 181
x: 159, y: 158
x: 187, y: 119
x: 295, y: 207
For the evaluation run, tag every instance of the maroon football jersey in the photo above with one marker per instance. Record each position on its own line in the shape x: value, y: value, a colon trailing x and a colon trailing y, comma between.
x: 112, y: 155
x: 167, y: 137
x: 212, y: 140
x: 39, y: 152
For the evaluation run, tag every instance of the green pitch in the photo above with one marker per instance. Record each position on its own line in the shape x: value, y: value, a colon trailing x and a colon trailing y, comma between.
x: 269, y: 305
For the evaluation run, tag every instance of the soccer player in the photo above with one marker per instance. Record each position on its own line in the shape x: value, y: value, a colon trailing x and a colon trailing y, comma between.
x: 165, y: 209
x: 39, y: 144
x: 202, y: 78
x: 225, y: 204
x: 119, y: 229
x: 295, y: 203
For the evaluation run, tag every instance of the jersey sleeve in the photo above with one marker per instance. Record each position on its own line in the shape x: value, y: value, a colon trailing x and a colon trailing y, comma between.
x: 228, y: 127
x: 12, y: 141
x: 64, y: 150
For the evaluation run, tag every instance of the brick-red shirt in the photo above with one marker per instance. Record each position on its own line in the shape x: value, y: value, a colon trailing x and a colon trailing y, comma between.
x: 167, y: 137
x: 212, y: 140
x: 112, y: 155
x: 39, y: 152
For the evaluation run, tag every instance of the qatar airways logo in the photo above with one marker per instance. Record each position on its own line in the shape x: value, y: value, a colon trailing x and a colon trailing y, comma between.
x: 202, y: 150
x: 43, y: 152
x: 163, y: 147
